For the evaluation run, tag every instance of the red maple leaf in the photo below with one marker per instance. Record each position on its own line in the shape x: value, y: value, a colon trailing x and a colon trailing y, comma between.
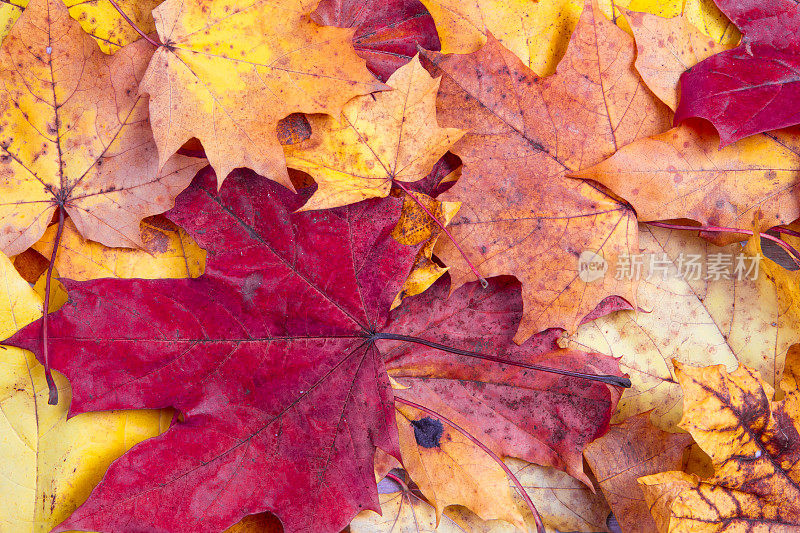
x: 756, y: 86
x: 387, y: 31
x: 544, y: 418
x: 273, y: 357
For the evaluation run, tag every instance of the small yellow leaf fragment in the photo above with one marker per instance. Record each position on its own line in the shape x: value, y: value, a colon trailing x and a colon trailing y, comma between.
x: 19, y: 303
x: 169, y: 252
x: 416, y: 226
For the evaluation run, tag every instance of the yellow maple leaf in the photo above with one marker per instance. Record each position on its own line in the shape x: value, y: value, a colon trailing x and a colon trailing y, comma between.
x: 228, y: 72
x: 538, y: 32
x: 75, y: 134
x: 392, y: 135
x: 98, y: 18
x: 454, y: 471
x: 754, y: 446
x: 51, y: 463
x: 694, y: 320
x: 682, y: 173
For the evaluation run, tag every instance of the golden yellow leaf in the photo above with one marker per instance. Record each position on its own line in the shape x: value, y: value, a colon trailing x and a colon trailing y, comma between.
x: 665, y: 48
x: 388, y: 136
x: 754, y: 445
x: 229, y: 72
x: 98, y: 18
x: 538, y: 31
x: 50, y: 464
x: 19, y: 303
x: 75, y: 133
x: 168, y: 252
x: 628, y: 451
x: 416, y: 226
x: 694, y: 321
x: 451, y: 470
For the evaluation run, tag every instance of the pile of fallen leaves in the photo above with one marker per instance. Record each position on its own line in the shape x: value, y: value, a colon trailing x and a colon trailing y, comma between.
x: 372, y: 265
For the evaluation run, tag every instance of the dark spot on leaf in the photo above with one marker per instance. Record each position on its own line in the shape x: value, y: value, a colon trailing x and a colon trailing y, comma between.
x: 428, y: 432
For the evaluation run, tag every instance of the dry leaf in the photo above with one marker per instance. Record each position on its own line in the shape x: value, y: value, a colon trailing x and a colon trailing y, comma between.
x: 682, y: 173
x: 665, y: 48
x: 755, y: 448
x: 628, y: 451
x: 74, y: 132
x: 534, y: 220
x: 228, y: 73
x: 693, y: 320
x: 379, y: 138
x: 451, y: 470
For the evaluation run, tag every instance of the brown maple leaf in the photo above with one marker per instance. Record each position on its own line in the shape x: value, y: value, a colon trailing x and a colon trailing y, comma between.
x: 628, y: 451
x: 227, y: 74
x: 74, y: 134
x: 520, y: 215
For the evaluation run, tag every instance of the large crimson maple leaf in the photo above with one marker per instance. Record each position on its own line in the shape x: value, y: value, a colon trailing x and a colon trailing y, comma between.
x: 273, y: 357
x: 266, y: 355
x: 756, y: 86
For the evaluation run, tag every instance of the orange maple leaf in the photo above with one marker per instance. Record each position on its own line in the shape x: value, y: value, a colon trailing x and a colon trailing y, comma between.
x: 520, y: 215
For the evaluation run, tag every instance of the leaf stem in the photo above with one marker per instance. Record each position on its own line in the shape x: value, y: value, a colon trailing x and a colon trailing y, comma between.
x: 51, y: 385
x: 716, y: 229
x: 399, y: 481
x: 785, y: 231
x: 133, y: 24
x: 482, y: 446
x: 483, y: 281
x: 617, y: 381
